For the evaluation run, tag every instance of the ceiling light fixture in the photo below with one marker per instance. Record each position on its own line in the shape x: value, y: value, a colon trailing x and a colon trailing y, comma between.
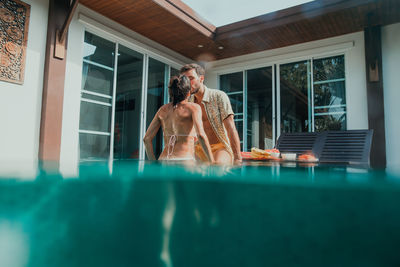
x: 200, y: 46
x: 220, y: 47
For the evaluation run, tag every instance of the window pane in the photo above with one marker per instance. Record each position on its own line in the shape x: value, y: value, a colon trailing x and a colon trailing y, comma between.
x: 96, y: 98
x: 330, y: 106
x: 95, y: 117
x: 174, y: 72
x: 328, y: 94
x: 259, y: 108
x: 239, y: 128
x: 155, y: 97
x: 97, y: 79
x: 333, y: 122
x: 232, y: 82
x: 330, y: 68
x: 294, y: 88
x: 98, y: 50
x: 237, y: 103
x: 128, y: 104
x: 95, y: 111
x: 94, y: 146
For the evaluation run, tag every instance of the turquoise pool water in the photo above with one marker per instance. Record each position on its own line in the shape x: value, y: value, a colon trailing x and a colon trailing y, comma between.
x: 159, y: 215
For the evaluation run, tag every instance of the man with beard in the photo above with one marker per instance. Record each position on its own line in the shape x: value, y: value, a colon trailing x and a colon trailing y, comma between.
x: 217, y: 117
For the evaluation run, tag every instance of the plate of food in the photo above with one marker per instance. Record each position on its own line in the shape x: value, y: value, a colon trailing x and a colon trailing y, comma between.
x: 261, y: 154
x: 307, y: 158
x: 289, y: 156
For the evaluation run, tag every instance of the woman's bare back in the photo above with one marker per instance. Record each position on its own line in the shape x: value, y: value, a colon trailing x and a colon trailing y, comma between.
x: 179, y: 133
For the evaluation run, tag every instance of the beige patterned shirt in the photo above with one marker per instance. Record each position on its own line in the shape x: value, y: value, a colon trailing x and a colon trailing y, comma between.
x: 218, y: 108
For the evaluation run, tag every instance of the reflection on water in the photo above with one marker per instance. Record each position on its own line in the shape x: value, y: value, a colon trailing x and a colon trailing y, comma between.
x: 249, y: 171
x: 167, y: 220
x: 14, y: 244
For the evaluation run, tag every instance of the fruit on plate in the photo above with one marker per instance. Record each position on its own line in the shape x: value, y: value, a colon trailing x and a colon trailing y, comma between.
x: 246, y: 155
x: 264, y: 153
x: 307, y: 157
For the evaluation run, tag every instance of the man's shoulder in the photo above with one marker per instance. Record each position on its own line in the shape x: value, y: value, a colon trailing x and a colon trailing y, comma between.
x: 216, y: 92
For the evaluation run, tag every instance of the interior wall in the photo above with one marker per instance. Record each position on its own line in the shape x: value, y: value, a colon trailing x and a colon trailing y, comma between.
x: 20, y: 105
x: 391, y: 86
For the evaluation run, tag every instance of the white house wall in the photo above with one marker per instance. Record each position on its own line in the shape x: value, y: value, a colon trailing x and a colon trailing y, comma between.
x: 20, y: 105
x: 391, y: 85
x: 86, y: 19
x: 351, y: 45
x: 73, y: 78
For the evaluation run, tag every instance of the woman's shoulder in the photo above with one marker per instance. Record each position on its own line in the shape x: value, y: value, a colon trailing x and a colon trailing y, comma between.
x: 193, y: 106
x: 164, y: 110
x: 165, y: 107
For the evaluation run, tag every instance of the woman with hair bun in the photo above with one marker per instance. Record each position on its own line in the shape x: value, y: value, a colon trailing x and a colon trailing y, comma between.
x: 181, y: 123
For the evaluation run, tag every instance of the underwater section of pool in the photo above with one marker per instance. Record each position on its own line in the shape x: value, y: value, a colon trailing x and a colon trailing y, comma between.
x: 161, y: 215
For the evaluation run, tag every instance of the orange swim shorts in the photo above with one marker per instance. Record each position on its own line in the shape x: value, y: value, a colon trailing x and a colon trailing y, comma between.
x: 199, y: 152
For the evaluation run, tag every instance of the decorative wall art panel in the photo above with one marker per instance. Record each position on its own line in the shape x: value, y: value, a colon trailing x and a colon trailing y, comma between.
x: 14, y: 22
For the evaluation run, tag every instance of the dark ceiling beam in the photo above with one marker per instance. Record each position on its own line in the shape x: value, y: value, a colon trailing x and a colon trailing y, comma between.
x: 61, y: 33
x: 64, y: 29
x: 184, y: 12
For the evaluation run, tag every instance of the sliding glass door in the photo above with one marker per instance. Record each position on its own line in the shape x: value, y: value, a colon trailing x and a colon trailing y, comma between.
x: 307, y: 96
x: 260, y: 108
x: 251, y: 96
x: 232, y: 84
x: 295, y: 93
x: 116, y: 82
x: 329, y: 94
x: 157, y: 83
x: 96, y: 98
x: 312, y: 95
x: 128, y: 104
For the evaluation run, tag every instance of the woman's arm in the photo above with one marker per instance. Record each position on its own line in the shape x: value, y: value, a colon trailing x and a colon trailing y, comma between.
x: 201, y: 134
x: 150, y: 134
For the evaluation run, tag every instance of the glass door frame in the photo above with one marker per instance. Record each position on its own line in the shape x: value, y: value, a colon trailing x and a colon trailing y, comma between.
x: 110, y: 134
x: 278, y: 92
x: 143, y: 106
x: 143, y: 127
x: 128, y: 43
x: 111, y: 157
x: 245, y: 89
x: 310, y: 79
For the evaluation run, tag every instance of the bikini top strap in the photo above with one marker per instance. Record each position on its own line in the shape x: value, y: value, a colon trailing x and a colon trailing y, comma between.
x: 177, y: 135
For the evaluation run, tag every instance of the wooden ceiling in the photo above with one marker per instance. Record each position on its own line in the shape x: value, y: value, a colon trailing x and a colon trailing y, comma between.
x: 178, y: 27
